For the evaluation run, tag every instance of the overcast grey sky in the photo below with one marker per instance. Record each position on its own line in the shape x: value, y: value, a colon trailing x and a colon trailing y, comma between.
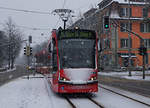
x: 40, y: 20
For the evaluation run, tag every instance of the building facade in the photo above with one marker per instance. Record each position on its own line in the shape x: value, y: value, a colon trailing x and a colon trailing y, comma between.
x: 117, y: 42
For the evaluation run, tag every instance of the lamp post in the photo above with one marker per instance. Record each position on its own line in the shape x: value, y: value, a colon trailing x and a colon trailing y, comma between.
x: 129, y: 39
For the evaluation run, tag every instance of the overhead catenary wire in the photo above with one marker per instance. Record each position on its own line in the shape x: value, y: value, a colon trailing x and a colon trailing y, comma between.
x: 63, y: 7
x: 33, y: 28
x: 57, y: 23
x: 26, y: 11
x: 30, y: 28
x: 10, y: 43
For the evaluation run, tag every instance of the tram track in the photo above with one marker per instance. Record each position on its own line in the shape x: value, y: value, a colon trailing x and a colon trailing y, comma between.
x: 95, y: 102
x: 140, y: 87
x: 89, y: 98
x: 70, y: 102
x: 125, y: 96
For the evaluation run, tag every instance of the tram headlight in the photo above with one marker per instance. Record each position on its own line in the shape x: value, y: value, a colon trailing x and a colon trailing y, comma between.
x: 95, y: 78
x: 92, y: 79
x: 64, y: 79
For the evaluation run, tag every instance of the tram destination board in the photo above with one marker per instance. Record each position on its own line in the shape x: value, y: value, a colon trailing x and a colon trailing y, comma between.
x: 76, y: 34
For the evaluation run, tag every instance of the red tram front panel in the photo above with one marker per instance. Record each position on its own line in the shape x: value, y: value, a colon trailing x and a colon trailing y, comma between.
x: 75, y: 81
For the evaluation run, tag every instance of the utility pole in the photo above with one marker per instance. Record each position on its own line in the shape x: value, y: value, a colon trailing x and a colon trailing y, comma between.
x: 143, y: 52
x: 64, y: 14
x: 144, y: 66
x: 129, y: 39
x: 28, y: 52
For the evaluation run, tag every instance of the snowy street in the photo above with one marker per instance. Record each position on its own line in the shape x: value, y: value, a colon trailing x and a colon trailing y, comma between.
x: 36, y: 93
x: 122, y: 80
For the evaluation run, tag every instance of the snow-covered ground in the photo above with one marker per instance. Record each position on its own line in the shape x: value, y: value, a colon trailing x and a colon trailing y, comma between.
x: 9, y: 70
x: 36, y: 93
x: 136, y: 75
x: 23, y: 93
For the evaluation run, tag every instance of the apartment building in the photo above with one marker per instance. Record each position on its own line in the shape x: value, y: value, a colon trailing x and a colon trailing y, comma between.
x: 115, y: 41
x: 133, y: 15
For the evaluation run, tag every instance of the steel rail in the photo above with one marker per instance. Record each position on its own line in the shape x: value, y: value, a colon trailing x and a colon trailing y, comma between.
x: 69, y: 101
x: 134, y: 87
x: 95, y: 102
x: 125, y: 96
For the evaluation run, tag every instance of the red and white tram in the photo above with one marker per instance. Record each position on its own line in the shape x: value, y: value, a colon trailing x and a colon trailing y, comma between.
x: 74, y: 55
x: 43, y: 62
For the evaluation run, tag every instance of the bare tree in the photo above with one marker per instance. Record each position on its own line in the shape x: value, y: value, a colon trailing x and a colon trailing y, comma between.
x: 14, y: 39
x: 3, y: 48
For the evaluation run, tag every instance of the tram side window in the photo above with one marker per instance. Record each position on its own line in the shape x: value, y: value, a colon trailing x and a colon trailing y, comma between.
x: 54, y: 56
x: 54, y: 42
x: 49, y: 48
x: 55, y: 61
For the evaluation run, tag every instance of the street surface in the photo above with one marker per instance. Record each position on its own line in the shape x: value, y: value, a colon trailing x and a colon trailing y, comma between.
x: 135, y: 83
x: 36, y: 93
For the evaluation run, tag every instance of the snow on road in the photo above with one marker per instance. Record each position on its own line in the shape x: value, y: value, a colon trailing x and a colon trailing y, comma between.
x: 24, y: 93
x: 110, y: 100
x: 36, y: 93
x: 83, y: 103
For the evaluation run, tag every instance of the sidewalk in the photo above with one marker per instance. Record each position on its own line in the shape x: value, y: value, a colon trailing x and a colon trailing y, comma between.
x: 136, y: 75
x: 135, y: 83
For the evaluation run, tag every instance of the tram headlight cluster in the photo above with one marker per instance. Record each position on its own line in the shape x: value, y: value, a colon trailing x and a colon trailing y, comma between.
x: 93, y: 78
x: 63, y: 79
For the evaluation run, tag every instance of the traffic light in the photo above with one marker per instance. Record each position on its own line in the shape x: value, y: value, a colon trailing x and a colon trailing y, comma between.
x: 30, y: 39
x: 142, y: 50
x: 30, y: 50
x: 25, y: 51
x: 106, y: 22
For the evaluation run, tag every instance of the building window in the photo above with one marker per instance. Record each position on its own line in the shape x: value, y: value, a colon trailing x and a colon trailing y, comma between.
x: 145, y: 27
x: 145, y: 12
x: 124, y: 12
x: 125, y: 27
x: 147, y: 43
x: 124, y: 43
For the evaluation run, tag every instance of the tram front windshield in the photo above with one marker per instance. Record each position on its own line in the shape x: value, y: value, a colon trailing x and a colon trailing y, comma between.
x: 77, y: 53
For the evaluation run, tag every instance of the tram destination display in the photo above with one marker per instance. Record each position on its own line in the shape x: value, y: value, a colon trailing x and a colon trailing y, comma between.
x: 76, y: 34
